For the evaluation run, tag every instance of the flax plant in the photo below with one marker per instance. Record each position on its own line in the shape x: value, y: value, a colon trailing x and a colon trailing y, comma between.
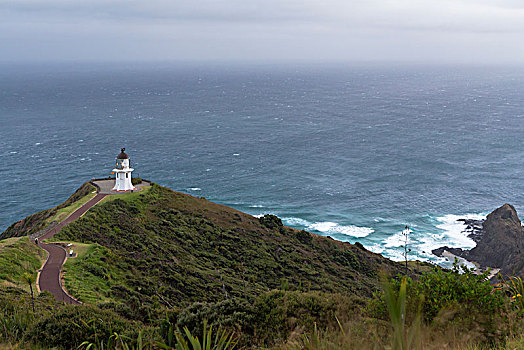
x: 515, y: 287
x: 218, y: 340
x: 404, y: 337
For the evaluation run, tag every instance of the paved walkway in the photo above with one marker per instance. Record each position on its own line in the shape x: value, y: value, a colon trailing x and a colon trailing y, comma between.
x: 49, y: 278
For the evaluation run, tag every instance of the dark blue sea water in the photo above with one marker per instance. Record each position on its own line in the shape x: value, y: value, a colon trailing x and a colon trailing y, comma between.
x: 353, y: 152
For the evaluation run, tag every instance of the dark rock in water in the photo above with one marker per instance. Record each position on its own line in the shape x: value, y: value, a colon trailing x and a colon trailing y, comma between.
x: 439, y: 251
x: 474, y: 228
x: 455, y: 251
x: 502, y: 240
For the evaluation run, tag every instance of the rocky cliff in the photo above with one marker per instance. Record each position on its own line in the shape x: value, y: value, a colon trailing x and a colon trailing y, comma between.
x: 499, y: 244
x: 502, y: 240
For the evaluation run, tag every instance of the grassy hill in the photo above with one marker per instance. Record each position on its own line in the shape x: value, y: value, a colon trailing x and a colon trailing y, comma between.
x: 19, y: 256
x: 172, y: 248
x: 40, y: 220
x: 154, y: 261
x: 158, y: 252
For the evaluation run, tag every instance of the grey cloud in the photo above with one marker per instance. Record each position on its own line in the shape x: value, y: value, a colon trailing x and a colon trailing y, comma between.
x: 233, y: 10
x: 462, y: 15
x: 423, y: 30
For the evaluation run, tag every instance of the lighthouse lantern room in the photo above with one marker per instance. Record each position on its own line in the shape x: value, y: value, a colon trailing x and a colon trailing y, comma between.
x: 123, y: 173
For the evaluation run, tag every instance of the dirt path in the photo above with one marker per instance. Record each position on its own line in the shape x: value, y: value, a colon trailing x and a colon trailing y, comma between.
x: 49, y: 278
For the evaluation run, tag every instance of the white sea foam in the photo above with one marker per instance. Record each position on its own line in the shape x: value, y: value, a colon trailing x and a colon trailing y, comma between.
x: 333, y: 228
x: 296, y: 222
x: 395, y: 255
x: 450, y: 232
x: 256, y: 206
x: 195, y: 189
x: 394, y: 241
x: 453, y: 230
x: 375, y: 248
x: 328, y: 227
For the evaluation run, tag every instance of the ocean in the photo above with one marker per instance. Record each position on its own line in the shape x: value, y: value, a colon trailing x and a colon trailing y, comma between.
x: 354, y: 152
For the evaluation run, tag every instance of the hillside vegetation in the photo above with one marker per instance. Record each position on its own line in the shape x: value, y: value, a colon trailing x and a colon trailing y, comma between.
x: 18, y: 257
x: 156, y: 268
x: 38, y: 221
x: 172, y: 248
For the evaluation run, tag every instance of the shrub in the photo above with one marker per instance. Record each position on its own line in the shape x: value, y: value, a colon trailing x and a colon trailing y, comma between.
x: 271, y: 221
x: 70, y: 326
x: 514, y: 289
x: 232, y: 314
x: 359, y: 246
x: 346, y: 257
x: 279, y: 313
x: 456, y: 298
x: 304, y: 236
x: 16, y: 312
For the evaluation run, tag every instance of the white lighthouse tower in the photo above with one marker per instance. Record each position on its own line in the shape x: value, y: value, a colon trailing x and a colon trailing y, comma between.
x: 123, y: 173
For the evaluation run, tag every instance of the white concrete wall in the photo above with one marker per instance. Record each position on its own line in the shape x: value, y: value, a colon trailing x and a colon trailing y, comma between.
x: 123, y: 181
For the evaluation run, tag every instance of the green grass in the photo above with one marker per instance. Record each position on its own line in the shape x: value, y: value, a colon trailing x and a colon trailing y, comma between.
x: 19, y: 256
x: 54, y: 325
x: 420, y: 266
x: 87, y: 276
x: 128, y: 196
x: 170, y: 259
x: 35, y: 222
x: 63, y: 213
x: 161, y: 247
x: 16, y: 315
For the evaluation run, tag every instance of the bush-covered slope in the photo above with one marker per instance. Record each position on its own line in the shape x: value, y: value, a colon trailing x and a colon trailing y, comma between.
x: 155, y: 261
x: 166, y: 247
x: 18, y: 257
x: 38, y: 221
x: 53, y: 325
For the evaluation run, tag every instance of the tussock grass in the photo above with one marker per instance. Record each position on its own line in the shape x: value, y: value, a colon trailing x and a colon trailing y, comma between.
x: 40, y: 220
x: 19, y: 256
x: 87, y: 276
x: 166, y: 270
x: 63, y: 213
x: 187, y: 249
x: 128, y: 196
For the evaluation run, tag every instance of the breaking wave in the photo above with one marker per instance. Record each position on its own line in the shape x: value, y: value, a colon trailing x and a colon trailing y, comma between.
x: 329, y: 227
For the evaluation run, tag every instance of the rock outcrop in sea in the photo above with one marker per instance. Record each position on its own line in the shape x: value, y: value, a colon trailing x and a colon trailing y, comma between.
x: 500, y: 242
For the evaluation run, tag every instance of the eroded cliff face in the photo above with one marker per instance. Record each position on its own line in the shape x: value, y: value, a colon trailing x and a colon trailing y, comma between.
x: 502, y: 241
x: 500, y: 244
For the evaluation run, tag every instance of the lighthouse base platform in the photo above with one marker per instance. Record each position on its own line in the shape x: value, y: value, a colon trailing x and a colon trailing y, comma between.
x: 106, y: 186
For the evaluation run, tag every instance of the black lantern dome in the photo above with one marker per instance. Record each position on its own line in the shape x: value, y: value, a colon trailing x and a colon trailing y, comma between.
x: 122, y: 155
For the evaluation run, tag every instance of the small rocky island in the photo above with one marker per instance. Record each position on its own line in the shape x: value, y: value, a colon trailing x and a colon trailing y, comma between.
x: 499, y: 239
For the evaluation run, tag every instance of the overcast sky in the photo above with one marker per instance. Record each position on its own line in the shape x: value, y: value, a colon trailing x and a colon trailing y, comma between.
x: 463, y: 31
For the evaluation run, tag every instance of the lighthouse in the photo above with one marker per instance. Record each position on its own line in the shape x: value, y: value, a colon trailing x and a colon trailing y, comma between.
x: 123, y: 173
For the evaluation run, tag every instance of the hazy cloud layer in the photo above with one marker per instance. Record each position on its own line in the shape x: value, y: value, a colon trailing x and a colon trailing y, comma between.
x: 481, y: 31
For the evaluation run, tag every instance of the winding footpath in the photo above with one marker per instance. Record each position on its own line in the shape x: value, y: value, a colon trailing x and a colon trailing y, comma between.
x: 49, y: 277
